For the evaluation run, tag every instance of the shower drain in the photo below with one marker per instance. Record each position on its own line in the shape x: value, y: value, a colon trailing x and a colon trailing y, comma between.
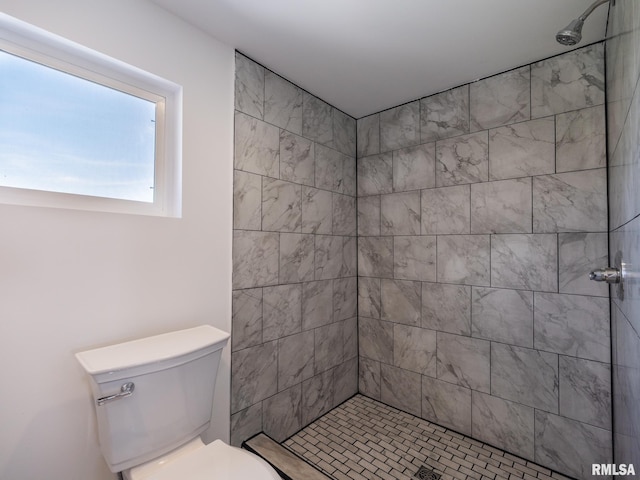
x: 425, y: 473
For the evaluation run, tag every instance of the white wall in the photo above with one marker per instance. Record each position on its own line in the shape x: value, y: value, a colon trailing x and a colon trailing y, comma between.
x: 72, y: 280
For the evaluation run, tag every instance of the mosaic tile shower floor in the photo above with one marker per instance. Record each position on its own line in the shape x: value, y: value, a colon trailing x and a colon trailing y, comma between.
x: 365, y: 439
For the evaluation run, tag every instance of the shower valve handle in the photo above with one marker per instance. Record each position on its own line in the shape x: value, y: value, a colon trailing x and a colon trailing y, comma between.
x: 608, y: 274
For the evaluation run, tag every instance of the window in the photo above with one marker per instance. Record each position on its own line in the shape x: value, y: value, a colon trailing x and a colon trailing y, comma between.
x: 82, y: 130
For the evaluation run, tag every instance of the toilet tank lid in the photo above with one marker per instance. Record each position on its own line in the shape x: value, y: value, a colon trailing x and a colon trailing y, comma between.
x: 152, y: 349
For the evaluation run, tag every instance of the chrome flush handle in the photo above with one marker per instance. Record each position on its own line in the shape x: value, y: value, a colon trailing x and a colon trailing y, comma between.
x: 126, y: 390
x: 608, y: 274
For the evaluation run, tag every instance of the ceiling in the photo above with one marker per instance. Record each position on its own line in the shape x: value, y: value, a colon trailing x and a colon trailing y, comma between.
x: 363, y: 56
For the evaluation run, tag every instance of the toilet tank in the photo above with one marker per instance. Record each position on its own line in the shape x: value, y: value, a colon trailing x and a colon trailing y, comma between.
x: 173, y: 375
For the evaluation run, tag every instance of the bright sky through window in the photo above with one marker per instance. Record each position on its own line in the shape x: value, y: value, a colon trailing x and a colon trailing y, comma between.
x: 62, y: 133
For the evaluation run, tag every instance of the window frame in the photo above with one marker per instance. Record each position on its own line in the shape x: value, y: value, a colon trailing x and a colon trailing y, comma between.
x: 34, y: 44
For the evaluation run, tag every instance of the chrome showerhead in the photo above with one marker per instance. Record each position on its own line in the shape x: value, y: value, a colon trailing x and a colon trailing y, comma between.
x: 571, y: 34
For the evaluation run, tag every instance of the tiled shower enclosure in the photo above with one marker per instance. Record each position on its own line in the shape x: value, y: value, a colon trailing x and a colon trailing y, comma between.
x: 480, y: 212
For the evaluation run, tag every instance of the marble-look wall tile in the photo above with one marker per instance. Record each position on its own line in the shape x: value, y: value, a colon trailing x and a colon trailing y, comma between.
x: 375, y: 174
x: 462, y: 159
x: 400, y: 388
x: 245, y: 424
x: 568, y: 82
x: 446, y: 210
x: 569, y: 446
x: 295, y: 359
x: 400, y: 127
x: 297, y: 159
x: 247, y: 201
x: 369, y: 297
x: 401, y: 301
x: 281, y: 206
x: 330, y: 165
x: 345, y: 297
x: 349, y: 186
x: 578, y: 254
x: 316, y: 211
x: 414, y: 349
x: 249, y: 86
x: 318, y: 395
x: 446, y: 308
x: 585, y: 391
x: 626, y: 385
x: 446, y: 404
x: 620, y: 198
x: 627, y: 241
x: 296, y: 257
x: 368, y: 134
x: 500, y: 99
x: 369, y: 215
x: 282, y: 413
x: 317, y: 119
x: 445, y: 114
x: 526, y: 376
x: 282, y: 311
x: 570, y: 202
x: 246, y: 319
x: 626, y: 312
x: 257, y: 146
x: 581, y: 139
x: 255, y: 259
x: 504, y: 206
x: 329, y: 347
x: 317, y: 304
x: 464, y: 361
x: 369, y: 377
x: 400, y: 214
x: 414, y: 168
x: 522, y: 149
x: 346, y: 381
x: 503, y: 315
x: 375, y: 339
x: 572, y: 325
x: 350, y: 340
x: 621, y: 66
x: 627, y: 449
x: 329, y: 256
x: 463, y: 259
x: 624, y: 170
x: 282, y: 103
x: 527, y: 262
x: 254, y: 375
x: 414, y: 258
x: 503, y: 424
x: 623, y: 54
x: 344, y: 214
x: 349, y: 266
x: 344, y: 133
x: 375, y: 257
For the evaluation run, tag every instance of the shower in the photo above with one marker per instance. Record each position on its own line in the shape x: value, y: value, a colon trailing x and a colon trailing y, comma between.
x: 572, y: 33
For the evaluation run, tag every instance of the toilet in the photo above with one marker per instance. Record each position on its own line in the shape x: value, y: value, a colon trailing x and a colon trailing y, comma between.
x: 153, y: 398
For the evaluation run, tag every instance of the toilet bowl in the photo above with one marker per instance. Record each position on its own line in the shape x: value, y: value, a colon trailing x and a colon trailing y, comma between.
x: 197, y: 461
x: 153, y: 399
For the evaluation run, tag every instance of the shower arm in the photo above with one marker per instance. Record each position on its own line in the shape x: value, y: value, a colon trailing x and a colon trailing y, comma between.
x: 590, y: 10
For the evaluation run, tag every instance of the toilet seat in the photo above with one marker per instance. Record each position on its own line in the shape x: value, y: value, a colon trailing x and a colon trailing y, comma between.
x: 216, y: 461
